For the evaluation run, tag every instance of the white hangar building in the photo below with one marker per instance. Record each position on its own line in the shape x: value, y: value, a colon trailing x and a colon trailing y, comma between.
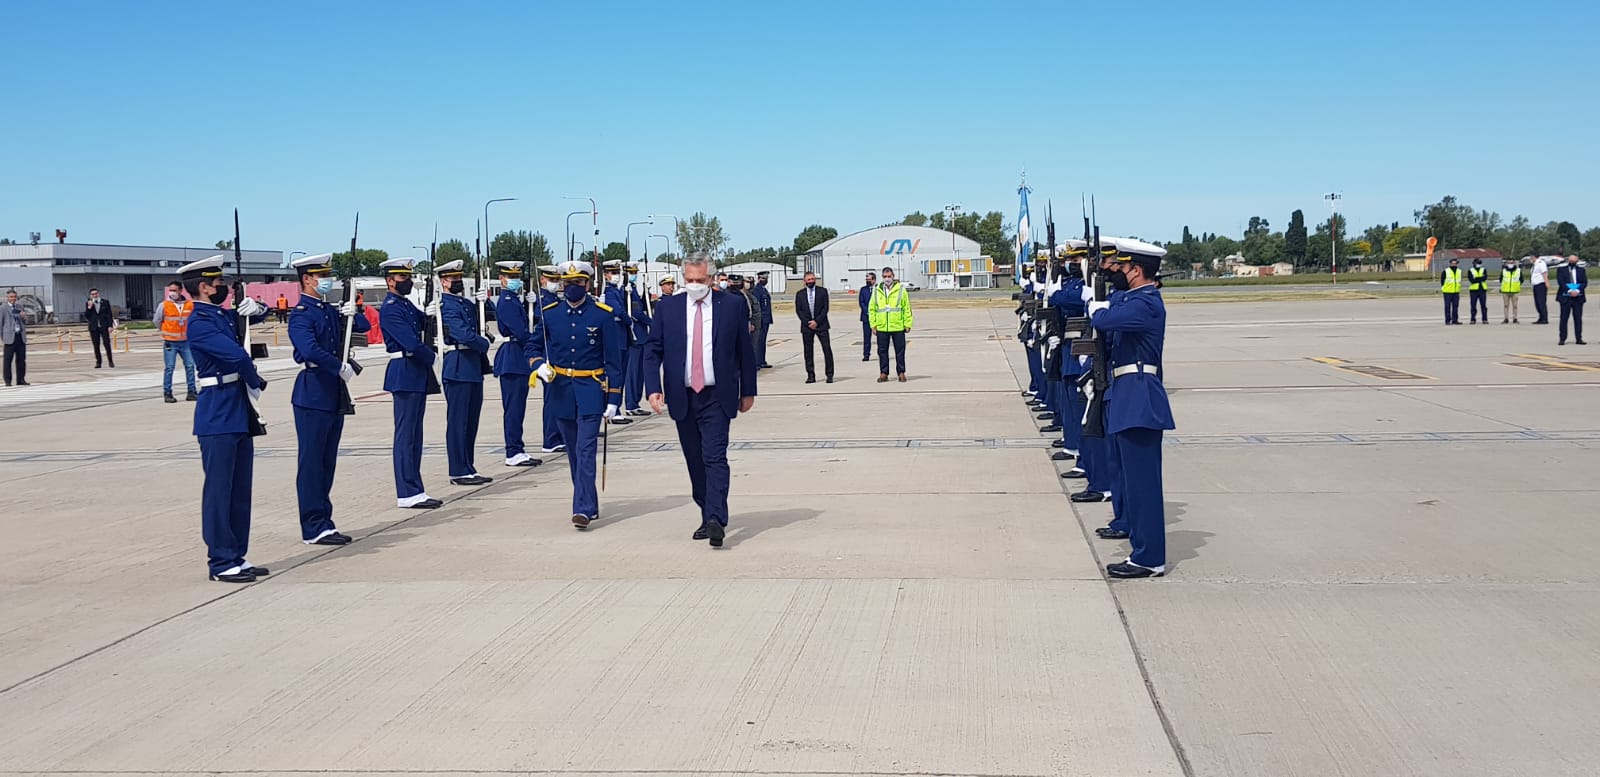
x: 927, y: 257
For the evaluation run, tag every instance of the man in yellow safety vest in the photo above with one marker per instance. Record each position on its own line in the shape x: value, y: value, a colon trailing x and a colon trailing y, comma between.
x: 172, y: 318
x: 1450, y: 286
x: 889, y: 312
x: 1478, y: 291
x: 1510, y: 287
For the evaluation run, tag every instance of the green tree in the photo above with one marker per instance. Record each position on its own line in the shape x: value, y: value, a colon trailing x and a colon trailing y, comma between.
x: 1263, y: 248
x: 6, y: 241
x: 1455, y: 224
x: 1294, y: 239
x: 1374, y: 238
x: 816, y: 235
x: 701, y: 233
x: 1571, y: 241
x: 915, y: 219
x: 1258, y: 226
x: 529, y: 248
x: 616, y: 252
x: 225, y: 245
x: 367, y: 262
x: 1591, y: 239
x: 760, y: 255
x: 452, y: 250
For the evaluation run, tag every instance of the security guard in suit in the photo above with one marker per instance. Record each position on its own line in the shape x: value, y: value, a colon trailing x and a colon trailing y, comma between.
x: 409, y: 380
x: 577, y: 353
x: 549, y: 294
x: 616, y: 298
x: 511, y: 361
x: 316, y: 330
x: 466, y: 361
x: 225, y: 419
x: 1137, y: 412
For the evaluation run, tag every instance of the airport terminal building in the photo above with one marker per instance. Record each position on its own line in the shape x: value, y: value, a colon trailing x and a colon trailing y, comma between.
x: 58, y: 276
x: 927, y: 257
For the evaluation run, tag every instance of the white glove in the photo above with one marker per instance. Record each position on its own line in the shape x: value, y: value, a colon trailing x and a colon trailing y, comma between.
x: 1096, y: 307
x: 255, y: 395
x: 1026, y: 317
x: 249, y: 308
x: 346, y: 372
x: 1054, y: 341
x: 348, y: 308
x: 432, y: 309
x: 1083, y: 361
x: 1088, y: 293
x: 482, y: 294
x: 611, y: 411
x: 545, y: 372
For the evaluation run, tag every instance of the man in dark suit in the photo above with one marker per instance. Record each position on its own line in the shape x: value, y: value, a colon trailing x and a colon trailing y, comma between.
x: 863, y: 298
x: 102, y: 321
x: 700, y: 363
x: 811, y: 305
x: 1572, y: 283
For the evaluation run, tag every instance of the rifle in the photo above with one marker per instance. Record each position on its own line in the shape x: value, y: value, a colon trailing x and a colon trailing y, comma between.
x: 347, y: 405
x: 257, y: 424
x: 1094, y: 383
x: 437, y: 328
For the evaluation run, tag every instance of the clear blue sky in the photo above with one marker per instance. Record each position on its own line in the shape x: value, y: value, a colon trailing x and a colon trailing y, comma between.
x: 147, y: 123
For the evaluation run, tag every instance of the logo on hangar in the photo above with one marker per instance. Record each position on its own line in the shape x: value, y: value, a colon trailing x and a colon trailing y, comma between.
x: 901, y: 246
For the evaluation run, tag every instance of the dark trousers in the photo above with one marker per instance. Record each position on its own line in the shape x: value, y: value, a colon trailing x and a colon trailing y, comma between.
x: 1540, y: 305
x: 1072, y: 417
x: 581, y: 435
x: 1452, y: 308
x: 98, y: 336
x: 703, y: 436
x: 899, y: 340
x: 807, y: 336
x: 1572, y: 309
x: 463, y: 404
x: 17, y: 351
x: 408, y: 411
x: 759, y: 337
x: 228, y: 461
x: 633, y: 378
x: 1137, y: 500
x: 514, y: 405
x: 1479, y: 301
x: 866, y: 341
x: 317, y: 434
x: 552, y: 430
x: 1034, y: 370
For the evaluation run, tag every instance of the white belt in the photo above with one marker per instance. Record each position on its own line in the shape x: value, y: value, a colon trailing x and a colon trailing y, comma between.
x: 462, y: 347
x: 217, y: 380
x: 1129, y: 369
x: 308, y: 365
x: 398, y: 354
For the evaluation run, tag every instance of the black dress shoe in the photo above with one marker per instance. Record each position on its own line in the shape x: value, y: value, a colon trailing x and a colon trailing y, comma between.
x: 190, y: 397
x: 332, y: 539
x: 236, y: 577
x: 1580, y: 342
x: 1058, y: 443
x: 714, y: 532
x: 830, y: 378
x: 700, y: 533
x: 810, y: 379
x: 1108, y: 533
x: 620, y: 421
x: 427, y: 504
x: 1060, y: 456
x: 1126, y: 570
x: 1089, y: 496
x: 1074, y: 473
x: 580, y: 520
x: 257, y: 571
x: 473, y: 480
x: 1051, y: 429
x: 1046, y: 416
x: 169, y: 399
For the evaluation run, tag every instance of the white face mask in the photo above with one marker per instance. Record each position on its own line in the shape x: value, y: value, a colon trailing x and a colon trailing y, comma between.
x: 722, y: 284
x: 696, y: 291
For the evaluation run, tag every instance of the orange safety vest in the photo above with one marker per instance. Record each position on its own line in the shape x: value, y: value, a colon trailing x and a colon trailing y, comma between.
x: 175, y: 320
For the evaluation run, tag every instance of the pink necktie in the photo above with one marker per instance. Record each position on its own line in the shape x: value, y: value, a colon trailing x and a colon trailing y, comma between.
x: 697, y: 363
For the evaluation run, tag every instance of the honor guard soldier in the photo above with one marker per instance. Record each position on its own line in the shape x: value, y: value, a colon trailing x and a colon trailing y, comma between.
x: 549, y: 294
x: 764, y: 299
x: 466, y: 361
x: 1137, y: 411
x: 1069, y: 301
x: 616, y: 297
x: 226, y: 419
x: 511, y: 361
x: 316, y: 330
x: 409, y: 380
x: 633, y: 384
x: 578, y: 353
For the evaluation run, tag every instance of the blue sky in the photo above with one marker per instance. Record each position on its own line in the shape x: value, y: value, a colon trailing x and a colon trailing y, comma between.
x: 147, y: 123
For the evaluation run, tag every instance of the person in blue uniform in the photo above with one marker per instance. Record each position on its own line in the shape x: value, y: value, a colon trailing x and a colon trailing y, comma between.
x: 578, y: 355
x: 1095, y: 464
x: 1137, y: 412
x: 409, y: 379
x: 617, y: 299
x: 764, y: 298
x: 511, y: 361
x: 549, y: 294
x: 225, y: 419
x: 1049, y: 340
x: 466, y: 361
x: 633, y: 383
x: 1035, y: 389
x: 316, y: 330
x: 1069, y: 301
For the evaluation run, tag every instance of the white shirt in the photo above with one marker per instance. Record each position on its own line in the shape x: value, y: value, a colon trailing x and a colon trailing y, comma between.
x: 811, y: 301
x: 705, y: 345
x: 1540, y: 271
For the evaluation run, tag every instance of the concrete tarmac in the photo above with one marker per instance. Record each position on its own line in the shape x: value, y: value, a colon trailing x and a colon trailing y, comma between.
x: 1377, y: 536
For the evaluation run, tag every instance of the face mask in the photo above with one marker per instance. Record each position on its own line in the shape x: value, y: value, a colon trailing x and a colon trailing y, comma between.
x: 722, y: 284
x: 811, y: 284
x: 888, y: 281
x: 175, y: 296
x: 514, y: 286
x: 1119, y: 281
x: 552, y: 287
x: 324, y: 286
x: 696, y: 291
x: 575, y: 293
x: 403, y: 288
x: 456, y: 287
x: 218, y: 295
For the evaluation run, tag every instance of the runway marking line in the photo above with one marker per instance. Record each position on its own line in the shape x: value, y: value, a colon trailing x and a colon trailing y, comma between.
x: 1549, y: 363
x: 1369, y: 370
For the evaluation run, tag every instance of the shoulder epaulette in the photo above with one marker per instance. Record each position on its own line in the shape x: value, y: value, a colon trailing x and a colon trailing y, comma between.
x: 551, y: 305
x: 299, y: 307
x: 602, y: 306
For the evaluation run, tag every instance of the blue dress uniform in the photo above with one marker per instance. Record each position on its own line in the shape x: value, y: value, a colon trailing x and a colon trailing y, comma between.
x: 466, y: 360
x: 223, y: 423
x: 764, y: 299
x: 1069, y: 301
x: 1137, y: 412
x: 410, y: 367
x: 1035, y: 373
x: 583, y: 346
x: 633, y: 384
x: 551, y: 431
x: 511, y: 364
x: 616, y: 299
x: 316, y: 330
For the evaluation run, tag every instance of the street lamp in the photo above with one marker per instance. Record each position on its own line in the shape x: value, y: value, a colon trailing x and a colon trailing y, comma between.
x: 569, y: 231
x: 627, y: 240
x: 647, y: 245
x: 1333, y: 232
x: 676, y: 228
x: 488, y: 238
x: 594, y: 219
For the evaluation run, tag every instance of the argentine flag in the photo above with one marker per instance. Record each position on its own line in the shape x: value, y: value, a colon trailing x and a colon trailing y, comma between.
x: 1024, y: 235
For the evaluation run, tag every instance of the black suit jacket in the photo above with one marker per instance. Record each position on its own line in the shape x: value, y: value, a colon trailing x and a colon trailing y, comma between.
x: 99, y: 316
x: 807, y: 315
x: 1564, y: 277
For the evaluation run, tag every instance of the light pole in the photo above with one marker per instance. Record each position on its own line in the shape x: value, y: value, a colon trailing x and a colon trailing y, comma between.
x: 569, y: 231
x: 675, y: 229
x: 488, y: 239
x: 578, y: 244
x: 647, y: 244
x: 627, y: 240
x: 594, y: 219
x: 1333, y: 233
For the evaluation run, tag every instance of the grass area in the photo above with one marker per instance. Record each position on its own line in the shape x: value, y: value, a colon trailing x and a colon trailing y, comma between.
x: 1307, y: 279
x: 137, y: 325
x: 1295, y: 295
